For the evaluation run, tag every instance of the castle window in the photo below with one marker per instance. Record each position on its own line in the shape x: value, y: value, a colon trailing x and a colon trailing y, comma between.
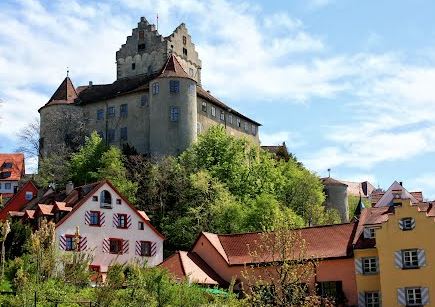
x: 174, y: 114
x: 111, y: 112
x: 7, y: 165
x: 156, y: 88
x: 230, y: 119
x: 122, y: 221
x: 184, y: 40
x: 123, y: 110
x: 213, y: 111
x: 253, y: 129
x: 133, y: 66
x: 123, y: 135
x: 141, y: 47
x: 111, y: 135
x: 100, y: 114
x: 246, y: 126
x: 144, y: 100
x: 204, y: 106
x: 69, y: 243
x: 94, y: 218
x: 222, y: 117
x: 141, y: 34
x: 239, y: 123
x: 185, y: 51
x: 174, y: 86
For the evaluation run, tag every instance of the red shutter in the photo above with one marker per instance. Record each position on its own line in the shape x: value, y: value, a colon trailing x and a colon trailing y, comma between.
x: 153, y: 249
x: 62, y: 243
x: 138, y: 248
x: 87, y: 217
x: 124, y: 246
x: 128, y: 221
x: 83, y: 244
x: 115, y: 220
x: 102, y: 218
x: 106, y: 245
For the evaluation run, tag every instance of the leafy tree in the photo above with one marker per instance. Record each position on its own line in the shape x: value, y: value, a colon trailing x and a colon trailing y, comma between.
x: 16, y: 240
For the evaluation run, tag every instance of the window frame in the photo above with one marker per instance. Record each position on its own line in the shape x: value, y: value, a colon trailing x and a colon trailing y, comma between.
x: 27, y: 194
x: 125, y: 219
x: 123, y: 134
x: 69, y: 237
x: 174, y: 114
x: 413, y: 262
x: 375, y: 301
x: 222, y: 116
x: 149, y: 243
x: 204, y: 106
x: 239, y: 123
x: 155, y: 87
x: 8, y: 185
x: 372, y: 265
x: 91, y: 214
x: 119, y: 242
x: 111, y: 112
x: 141, y: 225
x: 174, y: 86
x: 123, y: 110
x: 100, y: 114
x: 417, y: 296
x: 213, y: 111
x: 111, y: 135
x: 406, y: 226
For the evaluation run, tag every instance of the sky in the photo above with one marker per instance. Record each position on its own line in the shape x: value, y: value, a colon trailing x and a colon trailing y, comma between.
x: 348, y: 85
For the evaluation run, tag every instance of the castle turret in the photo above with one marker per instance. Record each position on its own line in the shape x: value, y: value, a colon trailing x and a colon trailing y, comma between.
x: 336, y: 197
x: 173, y: 110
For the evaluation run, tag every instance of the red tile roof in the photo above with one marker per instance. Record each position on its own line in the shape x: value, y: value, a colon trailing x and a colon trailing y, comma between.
x: 45, y: 209
x: 331, y: 241
x: 191, y: 266
x: 65, y: 93
x: 29, y: 213
x: 61, y: 206
x: 16, y: 171
x: 144, y: 215
x: 173, y: 68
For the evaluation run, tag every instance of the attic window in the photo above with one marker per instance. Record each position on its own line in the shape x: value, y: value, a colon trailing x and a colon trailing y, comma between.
x: 7, y: 165
x: 141, y: 35
x: 185, y: 51
x: 94, y: 198
x: 29, y: 195
x: 184, y: 40
x: 105, y: 199
x: 133, y: 66
x: 141, y: 47
x: 4, y: 175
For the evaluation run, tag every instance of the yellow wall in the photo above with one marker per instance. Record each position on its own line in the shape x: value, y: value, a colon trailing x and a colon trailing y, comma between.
x: 389, y: 239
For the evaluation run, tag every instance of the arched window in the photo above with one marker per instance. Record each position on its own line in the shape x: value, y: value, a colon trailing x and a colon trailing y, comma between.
x: 105, y: 199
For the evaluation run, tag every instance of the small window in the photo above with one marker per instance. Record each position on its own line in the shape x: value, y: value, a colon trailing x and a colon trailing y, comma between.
x: 141, y: 47
x: 204, y: 106
x: 111, y: 112
x: 369, y: 233
x: 123, y: 132
x: 8, y: 185
x: 213, y: 111
x: 7, y: 165
x: 118, y: 201
x: 191, y: 73
x: 100, y: 114
x: 245, y: 126
x: 122, y: 221
x: 254, y: 129
x: 410, y: 259
x: 174, y: 114
x: 174, y: 86
x: 144, y: 101
x: 222, y: 116
x: 141, y: 225
x: 111, y: 135
x: 145, y: 248
x: 372, y: 299
x: 105, y: 199
x: 370, y: 265
x: 94, y: 198
x: 29, y: 195
x: 239, y: 124
x: 141, y: 34
x: 230, y: 119
x: 69, y: 243
x: 192, y: 88
x: 156, y: 88
x: 133, y: 66
x: 407, y: 223
x: 94, y: 218
x: 184, y: 40
x: 123, y: 110
x: 184, y: 51
x: 115, y: 246
x: 413, y: 297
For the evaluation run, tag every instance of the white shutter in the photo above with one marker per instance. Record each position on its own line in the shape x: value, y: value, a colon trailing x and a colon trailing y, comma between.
x: 358, y: 266
x: 367, y: 234
x: 377, y: 264
x: 401, y: 222
x: 361, y: 299
x: 421, y: 257
x: 412, y: 223
x: 425, y: 296
x: 401, y: 296
x: 398, y: 259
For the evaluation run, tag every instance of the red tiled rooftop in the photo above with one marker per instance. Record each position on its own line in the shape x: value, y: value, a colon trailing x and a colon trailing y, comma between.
x: 16, y: 171
x: 173, y: 68
x: 45, y: 209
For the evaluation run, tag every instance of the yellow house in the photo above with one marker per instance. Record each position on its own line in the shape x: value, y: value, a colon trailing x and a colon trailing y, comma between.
x: 394, y: 251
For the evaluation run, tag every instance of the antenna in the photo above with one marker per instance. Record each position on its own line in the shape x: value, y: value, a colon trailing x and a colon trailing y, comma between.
x: 67, y: 71
x: 157, y: 22
x: 329, y: 172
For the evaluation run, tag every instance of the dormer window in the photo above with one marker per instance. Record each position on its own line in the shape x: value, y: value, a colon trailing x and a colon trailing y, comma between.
x: 4, y: 175
x: 407, y: 223
x: 369, y: 233
x: 7, y: 165
x: 105, y: 199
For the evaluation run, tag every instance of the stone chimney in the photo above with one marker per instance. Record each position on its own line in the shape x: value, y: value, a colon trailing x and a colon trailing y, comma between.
x: 69, y: 187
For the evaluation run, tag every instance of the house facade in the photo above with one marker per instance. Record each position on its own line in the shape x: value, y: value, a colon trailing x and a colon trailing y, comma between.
x: 98, y: 220
x: 395, y: 251
x: 157, y: 104
x: 12, y: 169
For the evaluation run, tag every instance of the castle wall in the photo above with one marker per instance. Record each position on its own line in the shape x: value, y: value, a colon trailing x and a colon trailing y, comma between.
x: 337, y: 199
x: 136, y: 120
x: 168, y: 136
x: 206, y: 120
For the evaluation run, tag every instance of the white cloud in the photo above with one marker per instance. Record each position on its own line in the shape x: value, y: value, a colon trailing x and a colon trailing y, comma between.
x: 291, y: 139
x: 425, y: 183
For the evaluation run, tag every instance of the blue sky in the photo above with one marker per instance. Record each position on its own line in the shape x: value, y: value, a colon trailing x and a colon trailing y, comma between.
x: 348, y: 85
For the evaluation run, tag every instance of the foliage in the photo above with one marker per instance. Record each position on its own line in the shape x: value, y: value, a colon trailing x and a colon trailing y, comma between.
x: 15, y: 243
x: 28, y: 138
x: 353, y: 203
x: 53, y: 169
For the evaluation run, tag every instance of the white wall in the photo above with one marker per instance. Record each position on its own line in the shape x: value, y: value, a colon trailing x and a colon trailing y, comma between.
x: 95, y: 235
x: 3, y: 186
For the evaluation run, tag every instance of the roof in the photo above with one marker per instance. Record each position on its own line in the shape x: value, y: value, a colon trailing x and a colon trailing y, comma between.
x: 65, y: 93
x: 45, y: 209
x: 29, y: 213
x: 17, y: 169
x: 332, y: 182
x: 331, y: 241
x: 61, y: 206
x: 190, y: 265
x: 173, y: 68
x: 144, y: 215
x: 396, y: 190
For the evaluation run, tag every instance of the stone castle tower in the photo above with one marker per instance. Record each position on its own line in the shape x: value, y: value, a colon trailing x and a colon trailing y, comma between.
x: 157, y: 103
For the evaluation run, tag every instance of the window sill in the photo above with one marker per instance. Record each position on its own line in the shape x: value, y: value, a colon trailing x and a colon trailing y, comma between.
x: 95, y: 225
x: 412, y: 268
x: 121, y: 227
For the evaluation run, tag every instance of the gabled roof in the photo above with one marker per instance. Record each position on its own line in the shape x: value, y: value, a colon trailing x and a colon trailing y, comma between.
x: 44, y: 209
x: 396, y: 190
x: 14, y: 173
x: 190, y: 265
x: 18, y: 200
x: 330, y: 241
x: 29, y: 214
x: 65, y: 93
x: 173, y: 68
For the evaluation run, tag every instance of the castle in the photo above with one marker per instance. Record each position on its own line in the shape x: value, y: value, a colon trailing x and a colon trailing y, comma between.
x: 157, y: 103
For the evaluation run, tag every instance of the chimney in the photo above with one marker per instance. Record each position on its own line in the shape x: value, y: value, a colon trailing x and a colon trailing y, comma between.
x: 90, y: 83
x: 69, y: 187
x: 208, y: 91
x: 401, y: 183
